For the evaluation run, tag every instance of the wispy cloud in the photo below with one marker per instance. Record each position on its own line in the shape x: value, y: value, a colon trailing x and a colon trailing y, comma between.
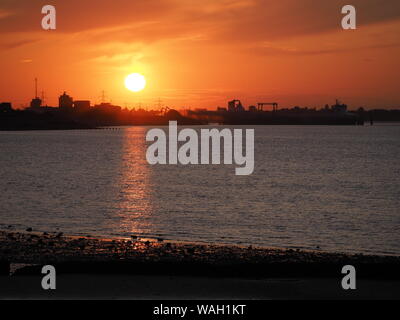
x: 4, y: 13
x: 15, y: 44
x: 222, y: 20
x: 271, y: 49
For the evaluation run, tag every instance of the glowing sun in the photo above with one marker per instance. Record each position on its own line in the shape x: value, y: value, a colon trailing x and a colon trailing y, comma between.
x: 135, y: 82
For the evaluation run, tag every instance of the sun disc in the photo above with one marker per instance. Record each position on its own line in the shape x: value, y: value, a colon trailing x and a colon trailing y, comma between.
x: 135, y: 82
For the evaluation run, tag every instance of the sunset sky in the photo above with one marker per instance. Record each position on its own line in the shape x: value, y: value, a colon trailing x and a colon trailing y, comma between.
x: 202, y: 53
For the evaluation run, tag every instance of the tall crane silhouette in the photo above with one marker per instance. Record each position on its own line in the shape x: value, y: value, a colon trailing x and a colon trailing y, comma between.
x: 273, y: 104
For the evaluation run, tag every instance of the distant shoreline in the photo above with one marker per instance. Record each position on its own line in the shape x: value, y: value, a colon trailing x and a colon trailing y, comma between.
x: 119, y: 127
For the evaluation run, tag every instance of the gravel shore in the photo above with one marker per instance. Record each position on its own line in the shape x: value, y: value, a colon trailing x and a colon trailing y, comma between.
x: 157, y: 256
x: 99, y: 268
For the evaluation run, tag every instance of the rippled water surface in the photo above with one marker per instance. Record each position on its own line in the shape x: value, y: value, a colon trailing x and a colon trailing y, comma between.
x: 336, y: 188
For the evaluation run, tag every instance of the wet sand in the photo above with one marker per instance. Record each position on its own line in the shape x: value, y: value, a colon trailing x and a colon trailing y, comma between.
x: 90, y: 267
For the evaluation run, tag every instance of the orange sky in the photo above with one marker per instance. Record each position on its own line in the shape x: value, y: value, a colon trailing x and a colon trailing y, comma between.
x: 202, y: 53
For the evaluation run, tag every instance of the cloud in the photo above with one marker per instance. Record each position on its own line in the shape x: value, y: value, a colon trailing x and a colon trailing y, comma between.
x: 272, y: 20
x: 222, y: 20
x: 15, y: 44
x: 78, y: 16
x: 4, y: 13
x: 270, y: 49
x: 117, y: 59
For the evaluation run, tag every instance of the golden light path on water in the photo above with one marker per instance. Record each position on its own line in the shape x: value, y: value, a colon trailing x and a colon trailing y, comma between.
x: 135, y: 207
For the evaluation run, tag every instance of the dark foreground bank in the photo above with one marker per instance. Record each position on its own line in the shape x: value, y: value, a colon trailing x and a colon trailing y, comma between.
x: 142, y: 269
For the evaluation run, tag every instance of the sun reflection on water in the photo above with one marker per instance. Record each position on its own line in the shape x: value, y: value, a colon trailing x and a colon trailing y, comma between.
x: 135, y: 208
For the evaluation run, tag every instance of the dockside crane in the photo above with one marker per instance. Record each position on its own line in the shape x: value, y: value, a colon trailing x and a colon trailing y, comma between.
x: 273, y: 104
